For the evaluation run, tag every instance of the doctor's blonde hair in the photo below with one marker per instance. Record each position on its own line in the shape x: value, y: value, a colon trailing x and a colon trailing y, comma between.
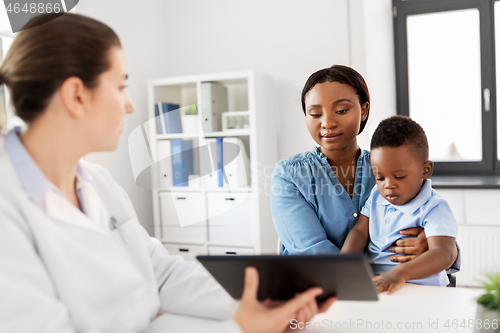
x: 51, y: 49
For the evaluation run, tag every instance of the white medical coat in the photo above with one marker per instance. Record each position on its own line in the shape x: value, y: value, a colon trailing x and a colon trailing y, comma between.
x: 64, y: 271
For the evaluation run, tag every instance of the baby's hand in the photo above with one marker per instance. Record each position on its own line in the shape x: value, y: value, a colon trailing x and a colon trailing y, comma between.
x: 391, y: 281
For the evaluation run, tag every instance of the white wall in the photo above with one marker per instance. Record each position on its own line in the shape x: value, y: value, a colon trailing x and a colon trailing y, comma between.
x: 288, y: 39
x: 372, y: 54
x: 140, y: 27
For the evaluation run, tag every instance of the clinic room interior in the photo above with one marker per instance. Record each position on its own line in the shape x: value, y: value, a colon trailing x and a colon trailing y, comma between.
x: 434, y: 61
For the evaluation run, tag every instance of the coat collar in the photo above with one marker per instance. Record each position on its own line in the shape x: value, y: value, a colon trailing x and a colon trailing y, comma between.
x: 41, y: 191
x: 58, y: 208
x: 410, y: 207
x: 32, y: 179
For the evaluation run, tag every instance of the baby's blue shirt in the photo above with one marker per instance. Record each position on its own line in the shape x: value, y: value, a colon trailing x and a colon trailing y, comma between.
x: 427, y: 210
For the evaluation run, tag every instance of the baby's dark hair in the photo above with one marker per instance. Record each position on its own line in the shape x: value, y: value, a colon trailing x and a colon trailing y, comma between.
x: 343, y: 75
x: 397, y: 131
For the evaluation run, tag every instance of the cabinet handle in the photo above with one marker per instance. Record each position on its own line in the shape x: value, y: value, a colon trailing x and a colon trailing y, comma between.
x: 232, y: 199
x: 181, y: 198
x: 228, y: 252
x: 183, y: 250
x: 486, y: 95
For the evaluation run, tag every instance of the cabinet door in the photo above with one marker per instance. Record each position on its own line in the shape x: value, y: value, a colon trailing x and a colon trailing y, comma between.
x: 227, y: 250
x: 230, y: 219
x: 189, y: 252
x: 183, y: 217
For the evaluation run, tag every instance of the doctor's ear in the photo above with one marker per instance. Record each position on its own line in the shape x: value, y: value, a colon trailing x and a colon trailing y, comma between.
x: 74, y: 95
x: 428, y: 169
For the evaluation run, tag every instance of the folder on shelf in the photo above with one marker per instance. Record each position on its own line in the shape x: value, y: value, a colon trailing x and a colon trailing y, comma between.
x: 213, y: 101
x: 209, y: 164
x: 237, y: 168
x: 182, y: 161
x: 172, y: 116
x: 159, y: 129
x: 164, y: 162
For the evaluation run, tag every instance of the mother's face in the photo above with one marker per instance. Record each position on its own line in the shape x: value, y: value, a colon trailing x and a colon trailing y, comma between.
x: 109, y: 104
x: 334, y: 115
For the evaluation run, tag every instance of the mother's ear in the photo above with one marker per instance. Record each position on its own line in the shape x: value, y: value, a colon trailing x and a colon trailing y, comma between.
x: 428, y: 168
x: 365, y: 111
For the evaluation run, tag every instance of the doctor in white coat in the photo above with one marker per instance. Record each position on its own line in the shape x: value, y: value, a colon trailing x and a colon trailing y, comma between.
x: 73, y: 256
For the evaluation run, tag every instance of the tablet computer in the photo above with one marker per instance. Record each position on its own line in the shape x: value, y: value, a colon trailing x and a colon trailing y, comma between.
x: 346, y: 276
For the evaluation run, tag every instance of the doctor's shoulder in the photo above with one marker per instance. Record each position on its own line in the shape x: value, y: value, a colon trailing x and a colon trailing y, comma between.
x: 13, y: 200
x: 8, y: 178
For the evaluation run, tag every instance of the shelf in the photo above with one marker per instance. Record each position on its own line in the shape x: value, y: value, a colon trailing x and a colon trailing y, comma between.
x: 182, y: 189
x: 235, y: 190
x: 235, y: 77
x: 250, y: 100
x: 466, y: 182
x: 234, y: 132
x: 176, y: 136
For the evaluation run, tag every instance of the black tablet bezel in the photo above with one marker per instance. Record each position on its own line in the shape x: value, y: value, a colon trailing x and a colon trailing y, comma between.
x: 346, y: 276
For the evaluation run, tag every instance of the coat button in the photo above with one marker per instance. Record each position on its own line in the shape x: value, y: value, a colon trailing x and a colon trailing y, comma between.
x: 387, y: 220
x: 355, y: 214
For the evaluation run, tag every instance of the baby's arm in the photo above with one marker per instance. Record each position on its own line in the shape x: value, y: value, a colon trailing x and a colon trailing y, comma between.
x: 358, y: 237
x: 441, y: 255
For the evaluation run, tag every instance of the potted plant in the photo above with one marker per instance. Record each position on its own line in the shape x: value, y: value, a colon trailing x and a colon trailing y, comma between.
x: 190, y: 122
x: 488, y: 309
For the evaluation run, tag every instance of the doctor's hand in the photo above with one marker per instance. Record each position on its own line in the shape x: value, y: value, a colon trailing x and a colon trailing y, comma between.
x: 267, y: 317
x: 410, y: 247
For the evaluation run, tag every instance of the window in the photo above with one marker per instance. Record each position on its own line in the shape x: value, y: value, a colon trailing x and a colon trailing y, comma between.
x: 445, y: 77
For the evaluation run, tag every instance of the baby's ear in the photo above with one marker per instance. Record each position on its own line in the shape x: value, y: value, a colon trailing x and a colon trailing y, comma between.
x: 428, y: 168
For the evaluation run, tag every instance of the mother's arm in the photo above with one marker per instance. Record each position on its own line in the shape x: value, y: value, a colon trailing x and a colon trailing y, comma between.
x: 412, y: 247
x: 296, y: 220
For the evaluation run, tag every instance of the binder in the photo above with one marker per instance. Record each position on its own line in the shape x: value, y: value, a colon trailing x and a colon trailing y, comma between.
x: 159, y: 107
x: 158, y: 120
x: 164, y: 162
x: 172, y: 116
x: 182, y: 161
x: 213, y: 101
x: 209, y: 164
x: 237, y: 170
x: 220, y: 161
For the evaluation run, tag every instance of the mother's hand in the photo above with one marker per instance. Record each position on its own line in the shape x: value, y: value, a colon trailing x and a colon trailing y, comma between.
x: 411, y: 247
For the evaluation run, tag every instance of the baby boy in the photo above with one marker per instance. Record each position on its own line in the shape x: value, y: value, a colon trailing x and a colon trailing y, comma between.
x: 403, y: 198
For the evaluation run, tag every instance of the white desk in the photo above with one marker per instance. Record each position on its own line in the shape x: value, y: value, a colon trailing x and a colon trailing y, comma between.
x: 413, y: 308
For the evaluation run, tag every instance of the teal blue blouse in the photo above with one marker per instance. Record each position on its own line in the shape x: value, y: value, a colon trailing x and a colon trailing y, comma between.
x: 311, y: 210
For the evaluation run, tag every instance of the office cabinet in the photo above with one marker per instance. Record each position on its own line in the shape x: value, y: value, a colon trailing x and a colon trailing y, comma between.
x: 230, y: 214
x: 183, y: 217
x: 188, y: 252
x: 230, y: 218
